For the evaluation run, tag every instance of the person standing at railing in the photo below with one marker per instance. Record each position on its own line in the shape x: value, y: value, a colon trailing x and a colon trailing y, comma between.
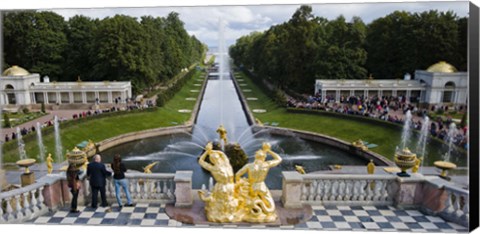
x: 97, y: 173
x: 119, y: 179
x: 74, y: 184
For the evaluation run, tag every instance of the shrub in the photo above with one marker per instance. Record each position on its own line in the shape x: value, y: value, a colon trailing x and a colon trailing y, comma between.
x: 6, y: 121
x: 42, y: 108
x: 25, y: 110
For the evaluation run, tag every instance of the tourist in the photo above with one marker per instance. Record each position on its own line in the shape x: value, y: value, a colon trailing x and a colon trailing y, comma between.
x: 6, y: 138
x: 74, y: 184
x: 97, y: 174
x: 119, y: 170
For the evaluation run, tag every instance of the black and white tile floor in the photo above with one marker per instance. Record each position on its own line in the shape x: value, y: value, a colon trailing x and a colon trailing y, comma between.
x: 342, y: 218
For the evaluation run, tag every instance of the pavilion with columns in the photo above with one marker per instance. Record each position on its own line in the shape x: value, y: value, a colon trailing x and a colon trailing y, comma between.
x: 19, y: 87
x: 440, y: 84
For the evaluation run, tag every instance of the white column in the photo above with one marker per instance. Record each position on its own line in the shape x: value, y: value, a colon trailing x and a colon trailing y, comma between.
x: 365, y: 93
x: 45, y: 97
x: 352, y: 92
x: 123, y: 96
x: 337, y: 95
x: 97, y: 96
x: 70, y: 96
x: 409, y: 93
x: 324, y: 95
x: 380, y: 93
x: 84, y: 97
x: 110, y: 97
x: 59, y: 98
x: 394, y: 92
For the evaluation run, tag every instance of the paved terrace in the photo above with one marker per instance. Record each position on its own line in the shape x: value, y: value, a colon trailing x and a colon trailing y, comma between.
x: 327, y: 217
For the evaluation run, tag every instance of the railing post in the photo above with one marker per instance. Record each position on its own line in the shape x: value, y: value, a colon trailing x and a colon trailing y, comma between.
x: 292, y: 189
x: 409, y: 191
x: 183, y: 189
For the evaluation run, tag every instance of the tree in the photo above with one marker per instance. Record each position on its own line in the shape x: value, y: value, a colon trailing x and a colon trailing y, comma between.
x: 6, y: 121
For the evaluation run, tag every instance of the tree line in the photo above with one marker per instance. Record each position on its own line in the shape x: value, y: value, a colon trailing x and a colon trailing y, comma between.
x: 307, y: 47
x: 145, y: 51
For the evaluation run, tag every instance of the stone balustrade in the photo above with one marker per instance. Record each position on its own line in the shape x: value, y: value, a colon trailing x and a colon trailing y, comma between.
x: 348, y: 189
x: 155, y: 187
x: 22, y: 204
x: 457, y: 207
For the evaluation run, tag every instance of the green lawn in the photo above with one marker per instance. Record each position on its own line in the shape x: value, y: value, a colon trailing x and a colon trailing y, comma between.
x: 98, y: 129
x: 386, y: 137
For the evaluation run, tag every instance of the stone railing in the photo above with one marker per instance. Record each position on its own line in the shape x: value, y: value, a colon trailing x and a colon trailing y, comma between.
x: 457, y: 207
x: 348, y: 189
x: 155, y: 187
x: 26, y: 203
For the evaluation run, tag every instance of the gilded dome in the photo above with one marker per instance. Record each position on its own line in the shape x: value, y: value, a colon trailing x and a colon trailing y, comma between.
x: 442, y: 67
x: 15, y: 71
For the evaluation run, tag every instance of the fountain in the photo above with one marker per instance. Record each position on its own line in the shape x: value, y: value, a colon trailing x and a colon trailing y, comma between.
x: 58, y: 141
x: 21, y: 146
x: 422, y: 143
x: 41, y: 147
x: 403, y: 157
x: 445, y: 165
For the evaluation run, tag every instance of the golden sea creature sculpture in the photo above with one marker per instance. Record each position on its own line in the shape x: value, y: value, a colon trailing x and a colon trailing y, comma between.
x: 49, y: 162
x: 246, y: 200
x: 221, y: 205
x: 300, y: 169
x: 223, y: 134
x: 259, y: 204
x: 148, y: 168
x: 359, y: 144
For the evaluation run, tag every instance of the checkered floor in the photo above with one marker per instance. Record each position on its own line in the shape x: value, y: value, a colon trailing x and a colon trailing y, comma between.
x: 343, y: 218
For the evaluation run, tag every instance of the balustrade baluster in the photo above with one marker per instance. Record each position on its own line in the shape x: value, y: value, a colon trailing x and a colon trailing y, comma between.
x: 466, y: 209
x: 333, y: 192
x: 318, y: 196
x: 376, y: 190
x: 171, y: 190
x: 313, y: 188
x: 326, y: 191
x: 2, y: 220
x: 27, y: 212
x: 356, y: 190
x: 363, y: 190
x: 456, y: 205
x: 18, y: 208
x: 145, y: 189
x: 34, y: 204
x: 304, y: 192
x: 448, y: 202
x: 384, y: 191
x: 41, y: 200
x: 137, y: 189
x: 158, y: 189
x: 348, y: 190
x: 10, y: 209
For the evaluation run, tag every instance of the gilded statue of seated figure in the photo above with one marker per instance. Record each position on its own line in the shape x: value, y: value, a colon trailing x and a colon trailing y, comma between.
x: 259, y: 204
x: 221, y: 205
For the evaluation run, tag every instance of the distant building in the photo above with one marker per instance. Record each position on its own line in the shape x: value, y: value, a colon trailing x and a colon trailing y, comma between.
x: 441, y: 84
x: 19, y: 87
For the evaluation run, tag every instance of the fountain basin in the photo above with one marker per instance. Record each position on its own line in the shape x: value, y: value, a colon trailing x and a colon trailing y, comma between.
x: 26, y: 163
x: 444, y: 166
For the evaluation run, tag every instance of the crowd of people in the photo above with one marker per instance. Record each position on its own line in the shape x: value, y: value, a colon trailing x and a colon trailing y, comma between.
x: 131, y: 105
x: 387, y: 108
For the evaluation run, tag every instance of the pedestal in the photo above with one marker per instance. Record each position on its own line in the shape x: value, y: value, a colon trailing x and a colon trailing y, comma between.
x: 27, y: 179
x: 183, y: 189
x: 292, y: 189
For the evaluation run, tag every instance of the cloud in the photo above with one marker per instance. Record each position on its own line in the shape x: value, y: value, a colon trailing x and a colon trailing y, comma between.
x: 203, y: 21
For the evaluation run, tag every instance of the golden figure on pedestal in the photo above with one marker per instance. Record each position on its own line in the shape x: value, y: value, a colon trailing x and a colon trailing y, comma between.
x: 148, y: 168
x: 371, y: 167
x: 223, y: 134
x: 49, y: 163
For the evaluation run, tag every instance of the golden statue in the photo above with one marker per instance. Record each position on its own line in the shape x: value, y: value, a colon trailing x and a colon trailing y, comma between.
x: 221, y: 204
x: 359, y: 144
x: 371, y: 167
x: 418, y: 161
x: 223, y: 134
x: 300, y: 169
x: 259, y: 203
x: 148, y: 169
x: 49, y: 163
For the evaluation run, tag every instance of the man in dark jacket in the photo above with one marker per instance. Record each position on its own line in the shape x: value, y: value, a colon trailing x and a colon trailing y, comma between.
x: 97, y: 174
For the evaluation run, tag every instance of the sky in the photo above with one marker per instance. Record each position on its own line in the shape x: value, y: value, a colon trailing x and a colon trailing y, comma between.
x: 203, y: 21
